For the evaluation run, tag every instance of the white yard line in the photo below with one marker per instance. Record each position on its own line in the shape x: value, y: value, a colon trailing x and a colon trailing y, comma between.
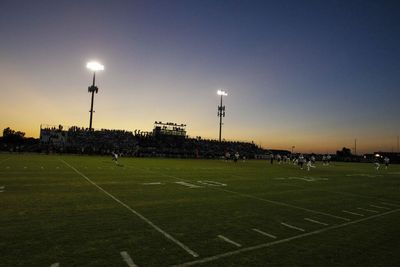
x: 270, y: 244
x: 165, y: 234
x: 374, y: 211
x: 188, y: 184
x: 55, y: 265
x: 283, y: 204
x: 293, y: 227
x: 315, y: 221
x: 127, y: 259
x: 211, y: 183
x: 229, y: 241
x: 256, y: 198
x: 264, y: 233
x: 154, y: 183
x: 390, y: 204
x: 379, y: 207
x: 353, y: 213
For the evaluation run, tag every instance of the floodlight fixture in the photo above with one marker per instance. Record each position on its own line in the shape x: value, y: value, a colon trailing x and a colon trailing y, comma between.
x: 222, y: 93
x: 94, y: 66
x: 221, y: 111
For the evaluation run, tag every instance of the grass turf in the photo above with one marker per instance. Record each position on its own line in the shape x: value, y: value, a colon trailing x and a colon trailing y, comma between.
x: 51, y: 213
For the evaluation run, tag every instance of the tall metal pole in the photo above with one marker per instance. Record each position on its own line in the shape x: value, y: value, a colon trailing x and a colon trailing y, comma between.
x: 220, y: 119
x: 91, y: 104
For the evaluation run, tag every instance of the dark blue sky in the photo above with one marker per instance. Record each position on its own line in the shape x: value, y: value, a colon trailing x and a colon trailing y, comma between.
x: 315, y: 74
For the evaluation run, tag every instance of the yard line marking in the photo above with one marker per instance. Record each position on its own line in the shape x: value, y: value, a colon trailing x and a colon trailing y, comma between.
x: 165, y: 234
x: 155, y: 183
x: 211, y: 183
x: 293, y: 227
x: 188, y: 185
x: 390, y: 204
x: 379, y: 207
x: 264, y: 233
x: 55, y: 265
x: 282, y: 204
x: 127, y: 259
x: 229, y: 241
x: 258, y: 198
x: 270, y: 244
x: 353, y: 213
x: 374, y: 211
x: 315, y: 221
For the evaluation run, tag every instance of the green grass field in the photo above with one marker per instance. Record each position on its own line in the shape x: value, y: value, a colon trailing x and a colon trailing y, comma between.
x: 87, y: 211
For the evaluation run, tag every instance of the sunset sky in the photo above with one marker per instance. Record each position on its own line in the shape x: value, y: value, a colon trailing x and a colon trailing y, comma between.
x: 313, y: 74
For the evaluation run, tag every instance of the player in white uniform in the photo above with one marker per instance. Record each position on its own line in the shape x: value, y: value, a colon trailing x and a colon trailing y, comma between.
x: 115, y: 157
x: 323, y: 160
x: 310, y: 165
x: 328, y: 159
x: 237, y: 156
x: 279, y: 158
x: 301, y: 161
x: 377, y: 165
x: 386, y: 160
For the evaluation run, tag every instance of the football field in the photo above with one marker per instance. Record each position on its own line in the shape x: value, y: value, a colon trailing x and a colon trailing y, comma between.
x: 88, y: 211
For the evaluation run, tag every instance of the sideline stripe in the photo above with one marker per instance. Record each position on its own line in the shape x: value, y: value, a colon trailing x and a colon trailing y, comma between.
x: 390, y: 204
x: 165, y: 234
x: 229, y: 241
x: 264, y: 233
x: 127, y: 259
x: 55, y: 265
x: 270, y: 244
x: 379, y: 207
x: 315, y: 221
x: 374, y: 211
x: 353, y: 213
x: 254, y: 197
x: 293, y: 227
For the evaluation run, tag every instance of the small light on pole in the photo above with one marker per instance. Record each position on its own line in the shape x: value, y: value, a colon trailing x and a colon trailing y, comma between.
x: 221, y: 111
x: 93, y: 66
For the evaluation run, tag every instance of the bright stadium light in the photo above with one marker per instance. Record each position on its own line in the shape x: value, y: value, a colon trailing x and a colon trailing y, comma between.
x: 222, y: 92
x: 94, y: 66
x: 221, y: 111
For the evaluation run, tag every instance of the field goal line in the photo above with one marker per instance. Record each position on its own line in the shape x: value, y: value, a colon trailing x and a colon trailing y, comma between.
x: 269, y: 244
x: 165, y: 234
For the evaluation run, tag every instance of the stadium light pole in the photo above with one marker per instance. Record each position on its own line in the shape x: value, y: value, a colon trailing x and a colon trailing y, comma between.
x: 93, y: 66
x: 221, y: 111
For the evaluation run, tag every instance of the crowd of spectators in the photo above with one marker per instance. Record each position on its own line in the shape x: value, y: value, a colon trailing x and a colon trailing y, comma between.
x: 84, y: 141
